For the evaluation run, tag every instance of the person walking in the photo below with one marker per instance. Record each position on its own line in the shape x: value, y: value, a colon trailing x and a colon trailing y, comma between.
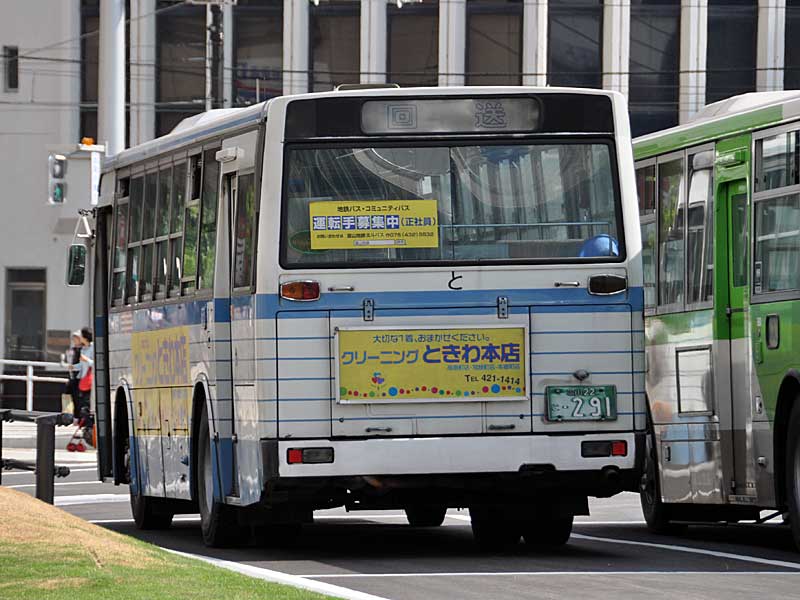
x: 73, y: 359
x: 85, y: 376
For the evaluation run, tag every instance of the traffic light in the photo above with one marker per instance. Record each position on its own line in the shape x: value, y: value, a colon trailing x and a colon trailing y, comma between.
x: 56, y: 185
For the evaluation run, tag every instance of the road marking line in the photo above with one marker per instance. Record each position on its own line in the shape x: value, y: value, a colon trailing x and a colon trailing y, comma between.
x: 30, y: 485
x: 176, y: 519
x: 539, y: 573
x: 690, y: 550
x: 90, y: 499
x: 284, y: 578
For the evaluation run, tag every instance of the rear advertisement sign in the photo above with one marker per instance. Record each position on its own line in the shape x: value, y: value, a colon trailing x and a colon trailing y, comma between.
x: 364, y: 224
x: 431, y: 365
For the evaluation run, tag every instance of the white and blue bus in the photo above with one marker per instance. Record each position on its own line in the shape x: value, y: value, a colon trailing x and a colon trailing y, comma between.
x: 413, y: 299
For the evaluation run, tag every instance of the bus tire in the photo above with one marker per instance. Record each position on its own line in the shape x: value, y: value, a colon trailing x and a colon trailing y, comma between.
x: 148, y: 513
x: 218, y: 522
x: 425, y: 515
x: 494, y: 528
x: 793, y: 471
x: 547, y: 532
x: 656, y: 513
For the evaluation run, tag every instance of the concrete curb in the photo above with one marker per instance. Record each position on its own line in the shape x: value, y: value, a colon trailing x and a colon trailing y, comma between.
x: 284, y: 578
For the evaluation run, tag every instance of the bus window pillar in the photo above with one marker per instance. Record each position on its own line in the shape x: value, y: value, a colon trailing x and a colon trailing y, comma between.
x: 771, y: 40
x: 534, y: 43
x: 694, y: 41
x: 616, y: 45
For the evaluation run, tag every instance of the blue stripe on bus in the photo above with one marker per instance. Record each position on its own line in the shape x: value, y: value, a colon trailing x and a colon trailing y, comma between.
x: 464, y: 303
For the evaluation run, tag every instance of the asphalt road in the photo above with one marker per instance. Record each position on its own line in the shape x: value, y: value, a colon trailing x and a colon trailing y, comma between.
x: 610, y: 555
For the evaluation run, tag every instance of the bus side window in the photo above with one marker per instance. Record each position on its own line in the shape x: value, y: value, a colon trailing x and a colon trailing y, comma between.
x: 162, y: 232
x: 134, y: 236
x: 148, y: 236
x: 646, y: 186
x: 700, y: 228
x: 191, y: 226
x: 120, y: 243
x: 208, y: 220
x: 176, y: 228
x: 244, y: 244
x: 671, y: 238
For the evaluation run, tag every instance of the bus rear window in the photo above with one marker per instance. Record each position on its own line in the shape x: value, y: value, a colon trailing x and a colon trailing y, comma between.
x: 371, y: 206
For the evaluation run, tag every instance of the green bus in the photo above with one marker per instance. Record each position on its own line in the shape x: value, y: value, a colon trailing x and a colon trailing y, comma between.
x: 719, y: 201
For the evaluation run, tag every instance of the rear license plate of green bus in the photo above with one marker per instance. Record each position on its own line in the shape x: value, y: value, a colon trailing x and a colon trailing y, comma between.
x: 581, y: 402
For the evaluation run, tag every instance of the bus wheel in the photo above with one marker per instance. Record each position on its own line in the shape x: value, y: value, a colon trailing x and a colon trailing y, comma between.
x: 148, y: 513
x: 425, y: 515
x: 494, y: 528
x: 547, y: 532
x: 218, y: 522
x: 793, y: 471
x: 656, y: 513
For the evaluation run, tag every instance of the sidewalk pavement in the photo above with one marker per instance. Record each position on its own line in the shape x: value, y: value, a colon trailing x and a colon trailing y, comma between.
x: 17, y: 434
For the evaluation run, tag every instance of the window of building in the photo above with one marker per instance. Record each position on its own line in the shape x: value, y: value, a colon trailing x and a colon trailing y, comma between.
x: 90, y: 44
x: 575, y: 43
x: 731, y: 57
x: 11, y: 68
x: 671, y: 242
x: 413, y: 52
x: 26, y: 314
x: 654, y: 65
x: 646, y: 187
x: 494, y: 42
x: 777, y: 248
x: 334, y: 31
x: 700, y: 228
x: 245, y: 231
x: 257, y: 51
x: 180, y: 63
x: 791, y: 70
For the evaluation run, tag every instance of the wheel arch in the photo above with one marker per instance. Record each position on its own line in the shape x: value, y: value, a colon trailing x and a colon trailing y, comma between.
x: 122, y: 429
x: 201, y: 398
x: 787, y: 394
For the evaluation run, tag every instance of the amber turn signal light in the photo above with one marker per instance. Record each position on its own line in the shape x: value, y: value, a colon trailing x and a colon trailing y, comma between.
x: 300, y: 291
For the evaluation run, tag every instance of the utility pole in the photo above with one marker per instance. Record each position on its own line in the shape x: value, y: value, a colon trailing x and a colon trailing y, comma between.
x: 111, y: 96
x: 214, y: 65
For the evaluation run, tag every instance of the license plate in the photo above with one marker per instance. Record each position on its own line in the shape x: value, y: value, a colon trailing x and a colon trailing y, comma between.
x: 581, y: 402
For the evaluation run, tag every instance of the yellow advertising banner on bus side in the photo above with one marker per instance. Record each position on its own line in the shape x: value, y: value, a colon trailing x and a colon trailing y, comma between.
x: 161, y: 358
x: 431, y: 365
x: 364, y: 224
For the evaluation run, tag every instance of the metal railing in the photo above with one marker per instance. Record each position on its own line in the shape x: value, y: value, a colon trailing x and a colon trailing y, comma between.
x: 29, y: 378
x: 44, y: 466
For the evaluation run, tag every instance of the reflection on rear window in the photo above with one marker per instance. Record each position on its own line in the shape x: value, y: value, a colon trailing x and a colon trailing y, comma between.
x: 367, y: 206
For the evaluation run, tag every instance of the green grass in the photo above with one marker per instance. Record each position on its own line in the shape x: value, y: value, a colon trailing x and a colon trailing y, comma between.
x: 48, y: 553
x: 35, y: 571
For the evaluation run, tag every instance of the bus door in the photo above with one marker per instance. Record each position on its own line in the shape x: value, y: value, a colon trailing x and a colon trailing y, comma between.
x: 741, y: 481
x: 240, y: 205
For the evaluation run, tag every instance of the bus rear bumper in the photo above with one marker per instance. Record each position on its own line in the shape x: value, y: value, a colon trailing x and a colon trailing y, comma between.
x: 540, y: 461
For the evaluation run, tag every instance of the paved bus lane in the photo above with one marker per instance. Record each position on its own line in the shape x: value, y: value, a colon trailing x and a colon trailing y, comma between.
x: 611, y: 553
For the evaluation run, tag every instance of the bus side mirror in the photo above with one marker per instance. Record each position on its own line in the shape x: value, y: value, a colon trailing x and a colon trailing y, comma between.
x: 76, y: 265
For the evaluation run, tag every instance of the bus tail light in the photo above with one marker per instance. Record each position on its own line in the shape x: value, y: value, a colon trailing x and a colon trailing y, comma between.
x: 604, y: 449
x: 309, y: 456
x: 300, y: 291
x: 607, y: 285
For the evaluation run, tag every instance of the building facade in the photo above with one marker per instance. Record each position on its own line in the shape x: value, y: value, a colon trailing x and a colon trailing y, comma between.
x: 670, y: 57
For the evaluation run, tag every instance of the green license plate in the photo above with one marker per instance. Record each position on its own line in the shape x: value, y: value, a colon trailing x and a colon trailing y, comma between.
x: 581, y: 402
